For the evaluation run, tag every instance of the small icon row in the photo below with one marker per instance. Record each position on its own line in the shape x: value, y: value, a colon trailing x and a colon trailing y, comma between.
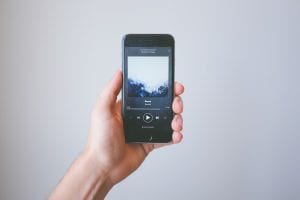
x: 147, y: 117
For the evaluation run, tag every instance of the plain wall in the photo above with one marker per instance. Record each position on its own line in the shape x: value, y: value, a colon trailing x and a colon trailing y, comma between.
x: 239, y: 61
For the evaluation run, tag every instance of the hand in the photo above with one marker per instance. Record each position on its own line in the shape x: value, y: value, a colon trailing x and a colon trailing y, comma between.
x: 107, y: 159
x: 106, y: 140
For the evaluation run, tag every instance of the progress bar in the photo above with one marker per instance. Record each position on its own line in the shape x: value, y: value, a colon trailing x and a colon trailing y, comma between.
x: 143, y: 108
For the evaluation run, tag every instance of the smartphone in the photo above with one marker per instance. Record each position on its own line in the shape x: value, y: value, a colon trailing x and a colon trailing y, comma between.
x: 148, y: 87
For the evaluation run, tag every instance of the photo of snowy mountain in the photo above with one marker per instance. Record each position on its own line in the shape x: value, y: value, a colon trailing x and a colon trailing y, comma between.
x: 147, y: 76
x: 139, y: 89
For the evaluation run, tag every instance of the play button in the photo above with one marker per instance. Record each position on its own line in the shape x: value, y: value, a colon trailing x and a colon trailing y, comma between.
x: 147, y: 117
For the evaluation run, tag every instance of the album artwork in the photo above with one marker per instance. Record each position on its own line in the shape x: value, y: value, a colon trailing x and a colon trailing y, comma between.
x: 148, y: 76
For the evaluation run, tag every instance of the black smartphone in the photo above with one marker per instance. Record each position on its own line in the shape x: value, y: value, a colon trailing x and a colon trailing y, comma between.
x: 148, y: 87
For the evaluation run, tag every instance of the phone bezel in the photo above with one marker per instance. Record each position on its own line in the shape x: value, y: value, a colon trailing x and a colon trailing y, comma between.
x: 148, y: 40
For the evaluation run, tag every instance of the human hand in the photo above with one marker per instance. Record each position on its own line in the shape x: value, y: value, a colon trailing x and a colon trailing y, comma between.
x: 106, y: 140
x: 107, y: 159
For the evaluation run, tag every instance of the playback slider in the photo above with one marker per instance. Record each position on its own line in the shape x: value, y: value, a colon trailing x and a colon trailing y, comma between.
x: 129, y: 108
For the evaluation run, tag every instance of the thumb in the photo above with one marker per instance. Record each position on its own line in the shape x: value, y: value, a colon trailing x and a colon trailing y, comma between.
x: 110, y: 93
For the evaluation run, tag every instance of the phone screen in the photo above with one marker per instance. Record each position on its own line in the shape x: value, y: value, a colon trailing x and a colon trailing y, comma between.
x: 148, y: 93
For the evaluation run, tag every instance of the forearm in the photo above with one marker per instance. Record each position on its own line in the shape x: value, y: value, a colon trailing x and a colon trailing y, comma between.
x: 84, y: 180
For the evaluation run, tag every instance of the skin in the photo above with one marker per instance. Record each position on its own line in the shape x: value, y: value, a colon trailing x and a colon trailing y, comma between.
x: 107, y: 159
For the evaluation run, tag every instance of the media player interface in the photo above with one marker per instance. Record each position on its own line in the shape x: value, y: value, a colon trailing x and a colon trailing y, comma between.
x: 147, y: 85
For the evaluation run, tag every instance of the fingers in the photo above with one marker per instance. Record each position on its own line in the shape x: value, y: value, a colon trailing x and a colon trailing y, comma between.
x: 119, y: 105
x: 177, y: 122
x: 178, y: 88
x: 177, y: 105
x: 109, y: 95
x: 177, y: 137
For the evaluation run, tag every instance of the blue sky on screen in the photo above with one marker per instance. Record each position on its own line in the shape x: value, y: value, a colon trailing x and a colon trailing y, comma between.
x: 150, y: 70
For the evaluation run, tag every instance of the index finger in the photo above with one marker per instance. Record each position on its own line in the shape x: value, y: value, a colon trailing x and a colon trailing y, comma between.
x: 178, y: 88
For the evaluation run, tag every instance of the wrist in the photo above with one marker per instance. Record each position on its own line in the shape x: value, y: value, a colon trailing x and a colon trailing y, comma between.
x: 97, y: 167
x: 84, y: 180
x: 100, y: 171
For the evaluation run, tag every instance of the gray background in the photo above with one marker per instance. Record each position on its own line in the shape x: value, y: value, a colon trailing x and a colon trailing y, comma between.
x: 239, y: 61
